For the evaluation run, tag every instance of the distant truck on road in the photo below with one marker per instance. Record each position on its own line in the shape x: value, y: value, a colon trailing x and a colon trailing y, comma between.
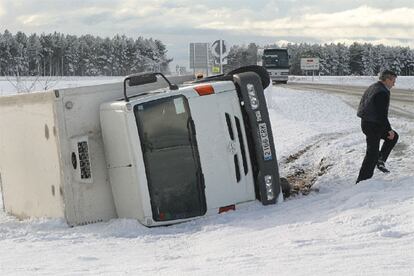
x: 276, y: 62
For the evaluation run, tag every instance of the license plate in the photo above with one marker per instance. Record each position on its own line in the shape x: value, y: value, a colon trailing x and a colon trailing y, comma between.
x: 267, y: 153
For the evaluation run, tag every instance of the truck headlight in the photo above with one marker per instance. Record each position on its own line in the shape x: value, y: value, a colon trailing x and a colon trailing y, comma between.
x: 254, y: 102
x: 258, y: 116
x: 269, y: 187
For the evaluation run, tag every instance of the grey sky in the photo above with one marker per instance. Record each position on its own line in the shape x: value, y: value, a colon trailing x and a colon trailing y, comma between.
x: 177, y: 23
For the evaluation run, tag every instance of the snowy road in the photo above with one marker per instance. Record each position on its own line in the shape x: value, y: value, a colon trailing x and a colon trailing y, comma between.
x: 402, y: 100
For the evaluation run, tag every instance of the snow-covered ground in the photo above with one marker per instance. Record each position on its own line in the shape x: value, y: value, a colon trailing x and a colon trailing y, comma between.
x: 338, y: 229
x: 403, y: 82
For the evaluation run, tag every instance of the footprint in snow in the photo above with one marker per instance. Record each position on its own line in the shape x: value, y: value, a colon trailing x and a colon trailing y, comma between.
x: 391, y: 234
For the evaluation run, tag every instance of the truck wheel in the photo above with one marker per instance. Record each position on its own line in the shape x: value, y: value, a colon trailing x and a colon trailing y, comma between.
x: 286, y: 188
x: 259, y: 70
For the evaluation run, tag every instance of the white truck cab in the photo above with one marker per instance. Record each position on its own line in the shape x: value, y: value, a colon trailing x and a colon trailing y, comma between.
x: 180, y: 153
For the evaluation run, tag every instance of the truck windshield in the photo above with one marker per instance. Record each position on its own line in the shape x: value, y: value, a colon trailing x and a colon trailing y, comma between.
x: 171, y: 158
x: 275, y: 58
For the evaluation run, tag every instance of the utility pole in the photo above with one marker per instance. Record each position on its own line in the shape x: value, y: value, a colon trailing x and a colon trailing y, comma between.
x: 221, y: 56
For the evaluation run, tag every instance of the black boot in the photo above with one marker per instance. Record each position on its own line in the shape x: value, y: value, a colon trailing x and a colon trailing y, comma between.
x: 381, y: 166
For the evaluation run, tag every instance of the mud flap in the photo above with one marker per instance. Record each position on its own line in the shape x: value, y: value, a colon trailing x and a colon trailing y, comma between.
x: 260, y: 137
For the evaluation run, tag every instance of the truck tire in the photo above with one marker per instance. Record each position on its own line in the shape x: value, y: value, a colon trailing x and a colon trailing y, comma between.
x: 286, y: 187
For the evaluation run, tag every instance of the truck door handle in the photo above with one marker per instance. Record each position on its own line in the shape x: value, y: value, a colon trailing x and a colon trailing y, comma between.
x: 74, y: 161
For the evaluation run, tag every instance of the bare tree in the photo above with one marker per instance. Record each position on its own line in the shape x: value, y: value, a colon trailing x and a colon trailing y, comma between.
x: 27, y: 84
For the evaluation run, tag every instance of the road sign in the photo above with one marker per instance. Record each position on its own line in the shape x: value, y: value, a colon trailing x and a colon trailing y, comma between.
x: 219, y: 48
x: 219, y: 52
x: 215, y: 69
x: 309, y: 63
x: 199, y: 55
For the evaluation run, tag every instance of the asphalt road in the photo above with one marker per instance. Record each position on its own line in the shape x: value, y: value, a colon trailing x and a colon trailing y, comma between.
x: 402, y: 100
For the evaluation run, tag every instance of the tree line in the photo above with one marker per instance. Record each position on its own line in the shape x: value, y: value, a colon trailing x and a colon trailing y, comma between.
x: 69, y: 55
x: 335, y: 59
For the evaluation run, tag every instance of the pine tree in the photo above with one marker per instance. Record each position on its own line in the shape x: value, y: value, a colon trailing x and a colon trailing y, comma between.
x: 6, y: 54
x: 343, y: 60
x: 34, y: 51
x: 355, y: 63
x: 368, y: 60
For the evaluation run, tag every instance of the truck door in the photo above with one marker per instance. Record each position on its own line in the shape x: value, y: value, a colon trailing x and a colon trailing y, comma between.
x: 237, y: 149
x: 223, y: 149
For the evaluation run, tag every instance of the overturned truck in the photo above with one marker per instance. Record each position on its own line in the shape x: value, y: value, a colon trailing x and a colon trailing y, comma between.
x: 145, y: 149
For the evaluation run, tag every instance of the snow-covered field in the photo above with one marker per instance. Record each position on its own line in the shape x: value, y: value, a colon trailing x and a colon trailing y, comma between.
x: 338, y: 229
x: 10, y: 86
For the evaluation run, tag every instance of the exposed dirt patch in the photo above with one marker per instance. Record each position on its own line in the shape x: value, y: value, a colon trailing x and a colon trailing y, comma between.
x: 302, y: 179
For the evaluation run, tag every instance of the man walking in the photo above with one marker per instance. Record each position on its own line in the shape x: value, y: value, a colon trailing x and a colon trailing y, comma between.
x: 373, y: 111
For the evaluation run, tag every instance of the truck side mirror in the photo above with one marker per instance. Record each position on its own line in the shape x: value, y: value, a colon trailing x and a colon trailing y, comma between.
x: 144, y: 78
x: 141, y: 79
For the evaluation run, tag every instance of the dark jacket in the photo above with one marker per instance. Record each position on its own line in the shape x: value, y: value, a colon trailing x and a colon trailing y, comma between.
x: 374, y: 105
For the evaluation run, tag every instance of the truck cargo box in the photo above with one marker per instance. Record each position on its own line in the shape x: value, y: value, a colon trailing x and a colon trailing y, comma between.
x: 52, y: 161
